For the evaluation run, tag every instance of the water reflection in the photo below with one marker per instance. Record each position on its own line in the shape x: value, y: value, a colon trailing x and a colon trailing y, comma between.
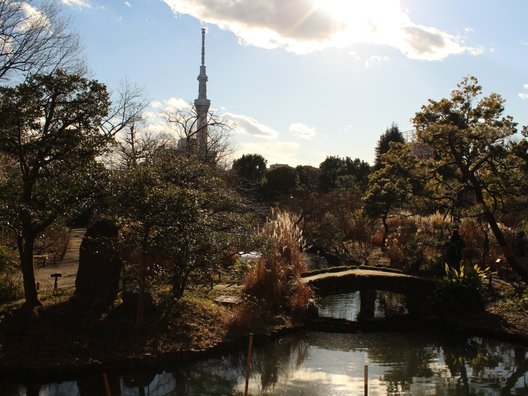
x: 315, y: 363
x: 348, y: 305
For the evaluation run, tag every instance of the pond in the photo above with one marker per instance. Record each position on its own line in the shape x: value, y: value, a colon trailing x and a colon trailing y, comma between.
x: 317, y: 363
x: 314, y: 363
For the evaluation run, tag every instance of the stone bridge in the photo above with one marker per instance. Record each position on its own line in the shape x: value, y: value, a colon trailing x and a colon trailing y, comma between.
x: 367, y: 282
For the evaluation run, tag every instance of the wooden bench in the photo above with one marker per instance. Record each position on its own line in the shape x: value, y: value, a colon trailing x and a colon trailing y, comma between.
x: 40, y: 260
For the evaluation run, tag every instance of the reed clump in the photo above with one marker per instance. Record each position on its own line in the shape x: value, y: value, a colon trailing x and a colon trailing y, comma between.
x: 275, y: 280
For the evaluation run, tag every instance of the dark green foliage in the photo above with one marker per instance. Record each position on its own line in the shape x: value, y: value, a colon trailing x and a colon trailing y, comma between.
x: 392, y: 134
x: 10, y: 287
x: 459, y: 291
x: 469, y: 163
x: 250, y: 169
x: 308, y: 177
x: 179, y: 220
x: 282, y: 180
x: 50, y: 135
x: 336, y: 172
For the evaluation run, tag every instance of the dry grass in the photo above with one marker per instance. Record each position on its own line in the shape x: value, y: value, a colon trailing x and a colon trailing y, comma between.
x: 275, y: 280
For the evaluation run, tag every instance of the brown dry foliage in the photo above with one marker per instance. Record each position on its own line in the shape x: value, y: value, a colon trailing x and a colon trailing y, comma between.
x: 275, y: 280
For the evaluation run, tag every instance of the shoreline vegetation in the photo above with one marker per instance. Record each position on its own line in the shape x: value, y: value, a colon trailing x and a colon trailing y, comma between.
x: 58, y: 345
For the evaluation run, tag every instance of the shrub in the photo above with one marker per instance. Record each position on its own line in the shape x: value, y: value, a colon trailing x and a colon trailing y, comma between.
x: 10, y: 284
x: 276, y: 278
x: 459, y: 291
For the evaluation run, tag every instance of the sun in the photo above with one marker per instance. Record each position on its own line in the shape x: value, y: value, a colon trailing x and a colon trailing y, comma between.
x: 342, y: 10
x: 367, y: 20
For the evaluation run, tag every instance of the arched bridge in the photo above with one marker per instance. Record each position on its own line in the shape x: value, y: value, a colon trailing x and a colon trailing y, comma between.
x: 350, y: 280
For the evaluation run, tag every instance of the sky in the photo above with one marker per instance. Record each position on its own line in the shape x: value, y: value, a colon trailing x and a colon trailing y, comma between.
x: 307, y: 79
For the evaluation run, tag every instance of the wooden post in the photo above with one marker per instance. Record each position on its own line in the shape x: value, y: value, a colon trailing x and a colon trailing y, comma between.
x: 366, y: 380
x: 106, y: 385
x: 248, y: 362
x: 55, y: 285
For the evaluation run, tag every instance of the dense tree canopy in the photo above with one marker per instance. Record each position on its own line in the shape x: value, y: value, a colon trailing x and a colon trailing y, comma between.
x: 468, y: 160
x: 392, y: 134
x: 49, y: 136
x: 250, y: 170
x: 181, y: 218
x: 281, y: 180
x: 336, y: 171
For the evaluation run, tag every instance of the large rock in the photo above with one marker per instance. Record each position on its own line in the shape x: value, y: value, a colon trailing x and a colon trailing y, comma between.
x: 97, y: 281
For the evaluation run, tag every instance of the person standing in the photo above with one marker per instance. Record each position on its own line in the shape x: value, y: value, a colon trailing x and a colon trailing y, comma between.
x: 454, y: 249
x: 520, y: 249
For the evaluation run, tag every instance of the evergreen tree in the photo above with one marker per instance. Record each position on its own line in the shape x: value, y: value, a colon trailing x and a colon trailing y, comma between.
x: 391, y: 134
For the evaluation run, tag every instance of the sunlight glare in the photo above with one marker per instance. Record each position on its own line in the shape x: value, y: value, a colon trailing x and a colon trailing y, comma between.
x: 370, y: 20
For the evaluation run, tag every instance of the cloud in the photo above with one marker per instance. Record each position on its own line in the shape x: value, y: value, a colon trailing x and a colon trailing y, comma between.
x: 275, y: 152
x: 524, y: 95
x: 302, y: 130
x: 174, y: 104
x: 304, y: 26
x: 156, y: 118
x: 375, y: 60
x: 127, y: 3
x: 78, y: 3
x: 249, y: 126
x: 33, y: 16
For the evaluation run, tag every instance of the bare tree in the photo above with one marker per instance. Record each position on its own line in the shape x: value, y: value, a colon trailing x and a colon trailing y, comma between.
x: 137, y: 144
x: 35, y: 38
x: 127, y: 108
x: 218, y: 147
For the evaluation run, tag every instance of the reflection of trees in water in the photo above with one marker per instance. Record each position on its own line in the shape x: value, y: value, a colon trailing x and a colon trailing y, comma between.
x: 405, y: 356
x: 280, y: 359
x: 411, y: 362
x: 391, y: 304
x: 211, y: 377
x: 347, y: 305
x: 496, y: 365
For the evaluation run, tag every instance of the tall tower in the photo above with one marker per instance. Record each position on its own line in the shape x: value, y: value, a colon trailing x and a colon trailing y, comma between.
x: 202, y: 106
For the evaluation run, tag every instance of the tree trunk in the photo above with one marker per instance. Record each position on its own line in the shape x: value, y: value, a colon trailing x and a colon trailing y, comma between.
x: 25, y: 248
x: 487, y: 214
x: 141, y: 293
x: 385, y: 233
x: 499, y: 236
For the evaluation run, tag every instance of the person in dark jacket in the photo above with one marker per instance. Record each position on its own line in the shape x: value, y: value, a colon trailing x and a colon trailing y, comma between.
x: 454, y: 249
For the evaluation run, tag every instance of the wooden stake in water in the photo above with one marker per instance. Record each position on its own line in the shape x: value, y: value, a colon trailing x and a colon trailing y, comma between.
x: 248, y: 362
x: 106, y: 385
x: 366, y: 380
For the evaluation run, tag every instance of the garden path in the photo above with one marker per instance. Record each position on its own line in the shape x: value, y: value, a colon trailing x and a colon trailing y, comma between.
x: 67, y: 267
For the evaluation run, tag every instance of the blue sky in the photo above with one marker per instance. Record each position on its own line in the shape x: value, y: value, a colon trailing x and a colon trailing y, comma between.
x: 305, y: 79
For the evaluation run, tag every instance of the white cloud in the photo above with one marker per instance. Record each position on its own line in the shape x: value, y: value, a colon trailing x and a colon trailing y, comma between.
x: 249, y: 126
x: 174, y: 104
x: 33, y: 16
x: 275, y: 152
x: 524, y: 95
x: 303, y: 26
x: 375, y: 60
x: 78, y: 3
x: 127, y: 3
x: 302, y: 130
x: 155, y: 117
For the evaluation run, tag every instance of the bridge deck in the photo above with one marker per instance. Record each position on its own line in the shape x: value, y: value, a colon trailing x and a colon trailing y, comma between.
x: 357, y: 279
